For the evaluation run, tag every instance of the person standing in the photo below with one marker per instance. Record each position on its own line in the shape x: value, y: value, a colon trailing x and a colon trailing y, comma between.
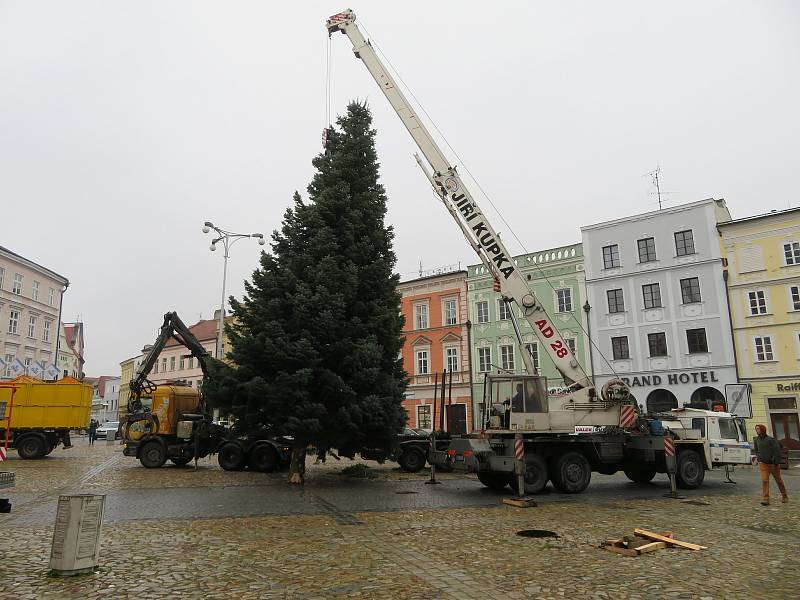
x: 768, y: 452
x: 92, y: 431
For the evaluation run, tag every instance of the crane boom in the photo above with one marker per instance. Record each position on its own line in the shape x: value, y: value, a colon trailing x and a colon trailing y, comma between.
x: 464, y: 209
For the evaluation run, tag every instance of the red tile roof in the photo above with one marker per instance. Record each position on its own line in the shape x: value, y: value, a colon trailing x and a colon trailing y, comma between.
x: 204, y: 331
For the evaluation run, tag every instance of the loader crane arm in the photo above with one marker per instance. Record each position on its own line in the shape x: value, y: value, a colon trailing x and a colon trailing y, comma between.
x: 480, y: 234
x: 172, y: 328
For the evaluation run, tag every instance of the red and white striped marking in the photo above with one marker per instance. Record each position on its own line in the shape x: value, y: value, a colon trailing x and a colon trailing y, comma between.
x: 669, y: 446
x: 627, y: 416
x: 519, y: 449
x: 2, y: 454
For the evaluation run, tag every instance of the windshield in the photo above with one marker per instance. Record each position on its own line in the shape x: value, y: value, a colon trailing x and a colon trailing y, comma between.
x: 728, y: 429
x: 111, y: 424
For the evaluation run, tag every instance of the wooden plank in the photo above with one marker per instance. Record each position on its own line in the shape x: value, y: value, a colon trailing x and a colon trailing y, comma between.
x: 520, y: 502
x: 613, y: 542
x: 623, y: 551
x: 651, y: 547
x: 672, y: 541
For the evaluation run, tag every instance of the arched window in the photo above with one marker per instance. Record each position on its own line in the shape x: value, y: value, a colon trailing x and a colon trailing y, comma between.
x: 707, y: 398
x: 661, y: 401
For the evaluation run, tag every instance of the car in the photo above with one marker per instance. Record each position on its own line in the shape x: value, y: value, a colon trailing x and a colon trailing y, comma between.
x: 109, y: 426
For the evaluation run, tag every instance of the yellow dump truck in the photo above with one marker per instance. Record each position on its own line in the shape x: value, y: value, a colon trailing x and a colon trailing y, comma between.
x: 42, y: 413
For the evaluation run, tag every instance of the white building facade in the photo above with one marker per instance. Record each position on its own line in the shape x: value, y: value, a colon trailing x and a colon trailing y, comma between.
x: 659, y: 315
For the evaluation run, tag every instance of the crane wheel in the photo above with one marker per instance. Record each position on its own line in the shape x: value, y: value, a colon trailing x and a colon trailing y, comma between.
x: 535, y: 475
x: 181, y: 461
x: 494, y: 481
x: 571, y: 473
x: 153, y: 454
x: 690, y: 473
x: 263, y: 458
x: 231, y: 457
x: 640, y: 474
x: 411, y: 460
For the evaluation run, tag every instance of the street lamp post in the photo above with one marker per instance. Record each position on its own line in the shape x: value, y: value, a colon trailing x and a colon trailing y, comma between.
x: 228, y: 239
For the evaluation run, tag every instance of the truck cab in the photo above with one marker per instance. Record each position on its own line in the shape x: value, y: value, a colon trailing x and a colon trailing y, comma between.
x: 722, y: 434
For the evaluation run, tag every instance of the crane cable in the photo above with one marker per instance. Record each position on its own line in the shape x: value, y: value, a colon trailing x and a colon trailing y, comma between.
x: 478, y: 185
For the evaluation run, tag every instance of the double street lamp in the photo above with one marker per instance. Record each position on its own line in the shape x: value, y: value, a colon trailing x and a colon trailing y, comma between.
x: 228, y: 239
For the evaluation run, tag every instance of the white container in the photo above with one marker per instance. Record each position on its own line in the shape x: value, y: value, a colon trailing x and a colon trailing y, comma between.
x: 76, y: 535
x: 111, y: 437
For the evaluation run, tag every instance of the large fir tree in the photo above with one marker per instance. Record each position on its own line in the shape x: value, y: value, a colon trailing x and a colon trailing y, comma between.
x: 317, y: 336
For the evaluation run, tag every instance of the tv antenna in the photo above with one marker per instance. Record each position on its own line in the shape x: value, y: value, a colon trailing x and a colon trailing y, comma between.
x: 654, y: 175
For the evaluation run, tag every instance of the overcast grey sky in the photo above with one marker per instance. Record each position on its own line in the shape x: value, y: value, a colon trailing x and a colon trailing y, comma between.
x: 125, y: 125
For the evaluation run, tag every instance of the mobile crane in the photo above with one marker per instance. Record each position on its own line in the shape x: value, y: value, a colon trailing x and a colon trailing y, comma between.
x: 172, y: 421
x: 561, y: 438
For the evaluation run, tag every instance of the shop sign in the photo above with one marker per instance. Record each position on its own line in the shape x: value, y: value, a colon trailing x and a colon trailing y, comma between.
x: 692, y: 377
x: 788, y: 387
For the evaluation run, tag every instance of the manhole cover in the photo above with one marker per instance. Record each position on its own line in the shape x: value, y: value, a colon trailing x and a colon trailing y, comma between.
x: 697, y: 502
x: 406, y: 492
x: 537, y: 533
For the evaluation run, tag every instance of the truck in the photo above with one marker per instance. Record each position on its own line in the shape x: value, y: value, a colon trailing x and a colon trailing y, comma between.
x: 524, y: 430
x: 38, y: 415
x: 171, y: 421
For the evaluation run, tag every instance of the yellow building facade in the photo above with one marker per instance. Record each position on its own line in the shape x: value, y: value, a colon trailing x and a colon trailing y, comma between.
x: 763, y: 280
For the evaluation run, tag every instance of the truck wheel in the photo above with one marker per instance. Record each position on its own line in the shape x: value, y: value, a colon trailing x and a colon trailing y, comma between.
x: 153, y: 454
x: 495, y: 481
x: 571, y: 473
x: 411, y: 460
x: 263, y: 458
x: 31, y: 447
x: 231, y: 457
x: 535, y: 475
x: 691, y: 472
x: 640, y: 474
x: 181, y: 461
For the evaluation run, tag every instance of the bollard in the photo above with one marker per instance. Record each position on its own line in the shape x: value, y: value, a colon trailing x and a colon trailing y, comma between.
x: 76, y: 535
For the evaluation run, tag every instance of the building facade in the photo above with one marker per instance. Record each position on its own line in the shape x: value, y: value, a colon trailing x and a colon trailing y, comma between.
x: 436, y: 339
x: 105, y: 397
x: 659, y: 310
x: 763, y: 275
x: 30, y: 314
x: 557, y: 280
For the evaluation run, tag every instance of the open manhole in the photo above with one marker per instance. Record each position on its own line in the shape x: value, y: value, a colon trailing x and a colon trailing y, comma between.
x: 697, y: 502
x: 537, y: 533
x: 406, y: 492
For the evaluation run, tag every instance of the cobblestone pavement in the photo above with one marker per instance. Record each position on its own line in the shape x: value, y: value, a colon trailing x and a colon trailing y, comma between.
x: 336, y: 552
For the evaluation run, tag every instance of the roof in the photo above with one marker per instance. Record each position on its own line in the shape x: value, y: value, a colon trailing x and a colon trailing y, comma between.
x: 653, y: 213
x: 772, y: 213
x: 203, y: 330
x: 30, y: 263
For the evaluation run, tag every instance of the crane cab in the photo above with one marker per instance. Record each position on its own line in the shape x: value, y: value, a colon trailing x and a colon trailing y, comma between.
x: 166, y: 405
x: 516, y: 402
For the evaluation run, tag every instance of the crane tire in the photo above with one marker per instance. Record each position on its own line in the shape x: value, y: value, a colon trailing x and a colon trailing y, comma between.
x: 411, y: 460
x: 690, y: 472
x: 536, y: 475
x: 571, y: 473
x: 153, y: 454
x: 640, y: 474
x: 494, y: 481
x: 263, y: 458
x: 231, y: 456
x: 181, y: 461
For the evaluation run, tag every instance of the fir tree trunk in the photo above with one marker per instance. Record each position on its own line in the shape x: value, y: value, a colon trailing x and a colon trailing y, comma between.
x: 297, y: 468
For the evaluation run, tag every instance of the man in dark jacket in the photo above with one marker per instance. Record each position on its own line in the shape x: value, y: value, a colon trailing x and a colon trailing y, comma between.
x: 768, y: 452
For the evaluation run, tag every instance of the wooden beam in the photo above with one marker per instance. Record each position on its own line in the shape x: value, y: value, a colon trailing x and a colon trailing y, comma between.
x: 651, y: 547
x: 671, y: 541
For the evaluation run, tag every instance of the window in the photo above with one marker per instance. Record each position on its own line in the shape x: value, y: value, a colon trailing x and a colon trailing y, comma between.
x: 421, y: 316
x: 2, y: 276
x: 422, y: 362
x: 484, y: 360
x: 700, y: 424
x: 616, y: 303
x: 533, y: 350
x: 764, y: 348
x: 163, y: 365
x: 507, y: 358
x: 155, y: 367
x: 564, y: 298
x: 51, y: 294
x: 647, y: 250
x: 758, y: 303
x: 46, y: 332
x: 36, y: 290
x: 791, y: 253
x: 652, y: 295
x: 619, y: 348
x: 482, y: 311
x: 16, y: 288
x: 610, y: 256
x: 794, y: 297
x: 690, y: 290
x: 503, y: 310
x: 570, y: 342
x: 450, y: 312
x: 31, y: 326
x: 171, y: 363
x: 13, y: 321
x: 182, y: 364
x: 424, y: 416
x: 191, y: 362
x: 9, y: 360
x: 657, y: 343
x: 727, y: 429
x: 684, y: 243
x: 696, y: 340
x: 451, y: 358
x: 27, y: 362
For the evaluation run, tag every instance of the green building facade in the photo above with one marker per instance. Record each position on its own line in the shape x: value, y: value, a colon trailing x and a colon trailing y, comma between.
x: 556, y: 278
